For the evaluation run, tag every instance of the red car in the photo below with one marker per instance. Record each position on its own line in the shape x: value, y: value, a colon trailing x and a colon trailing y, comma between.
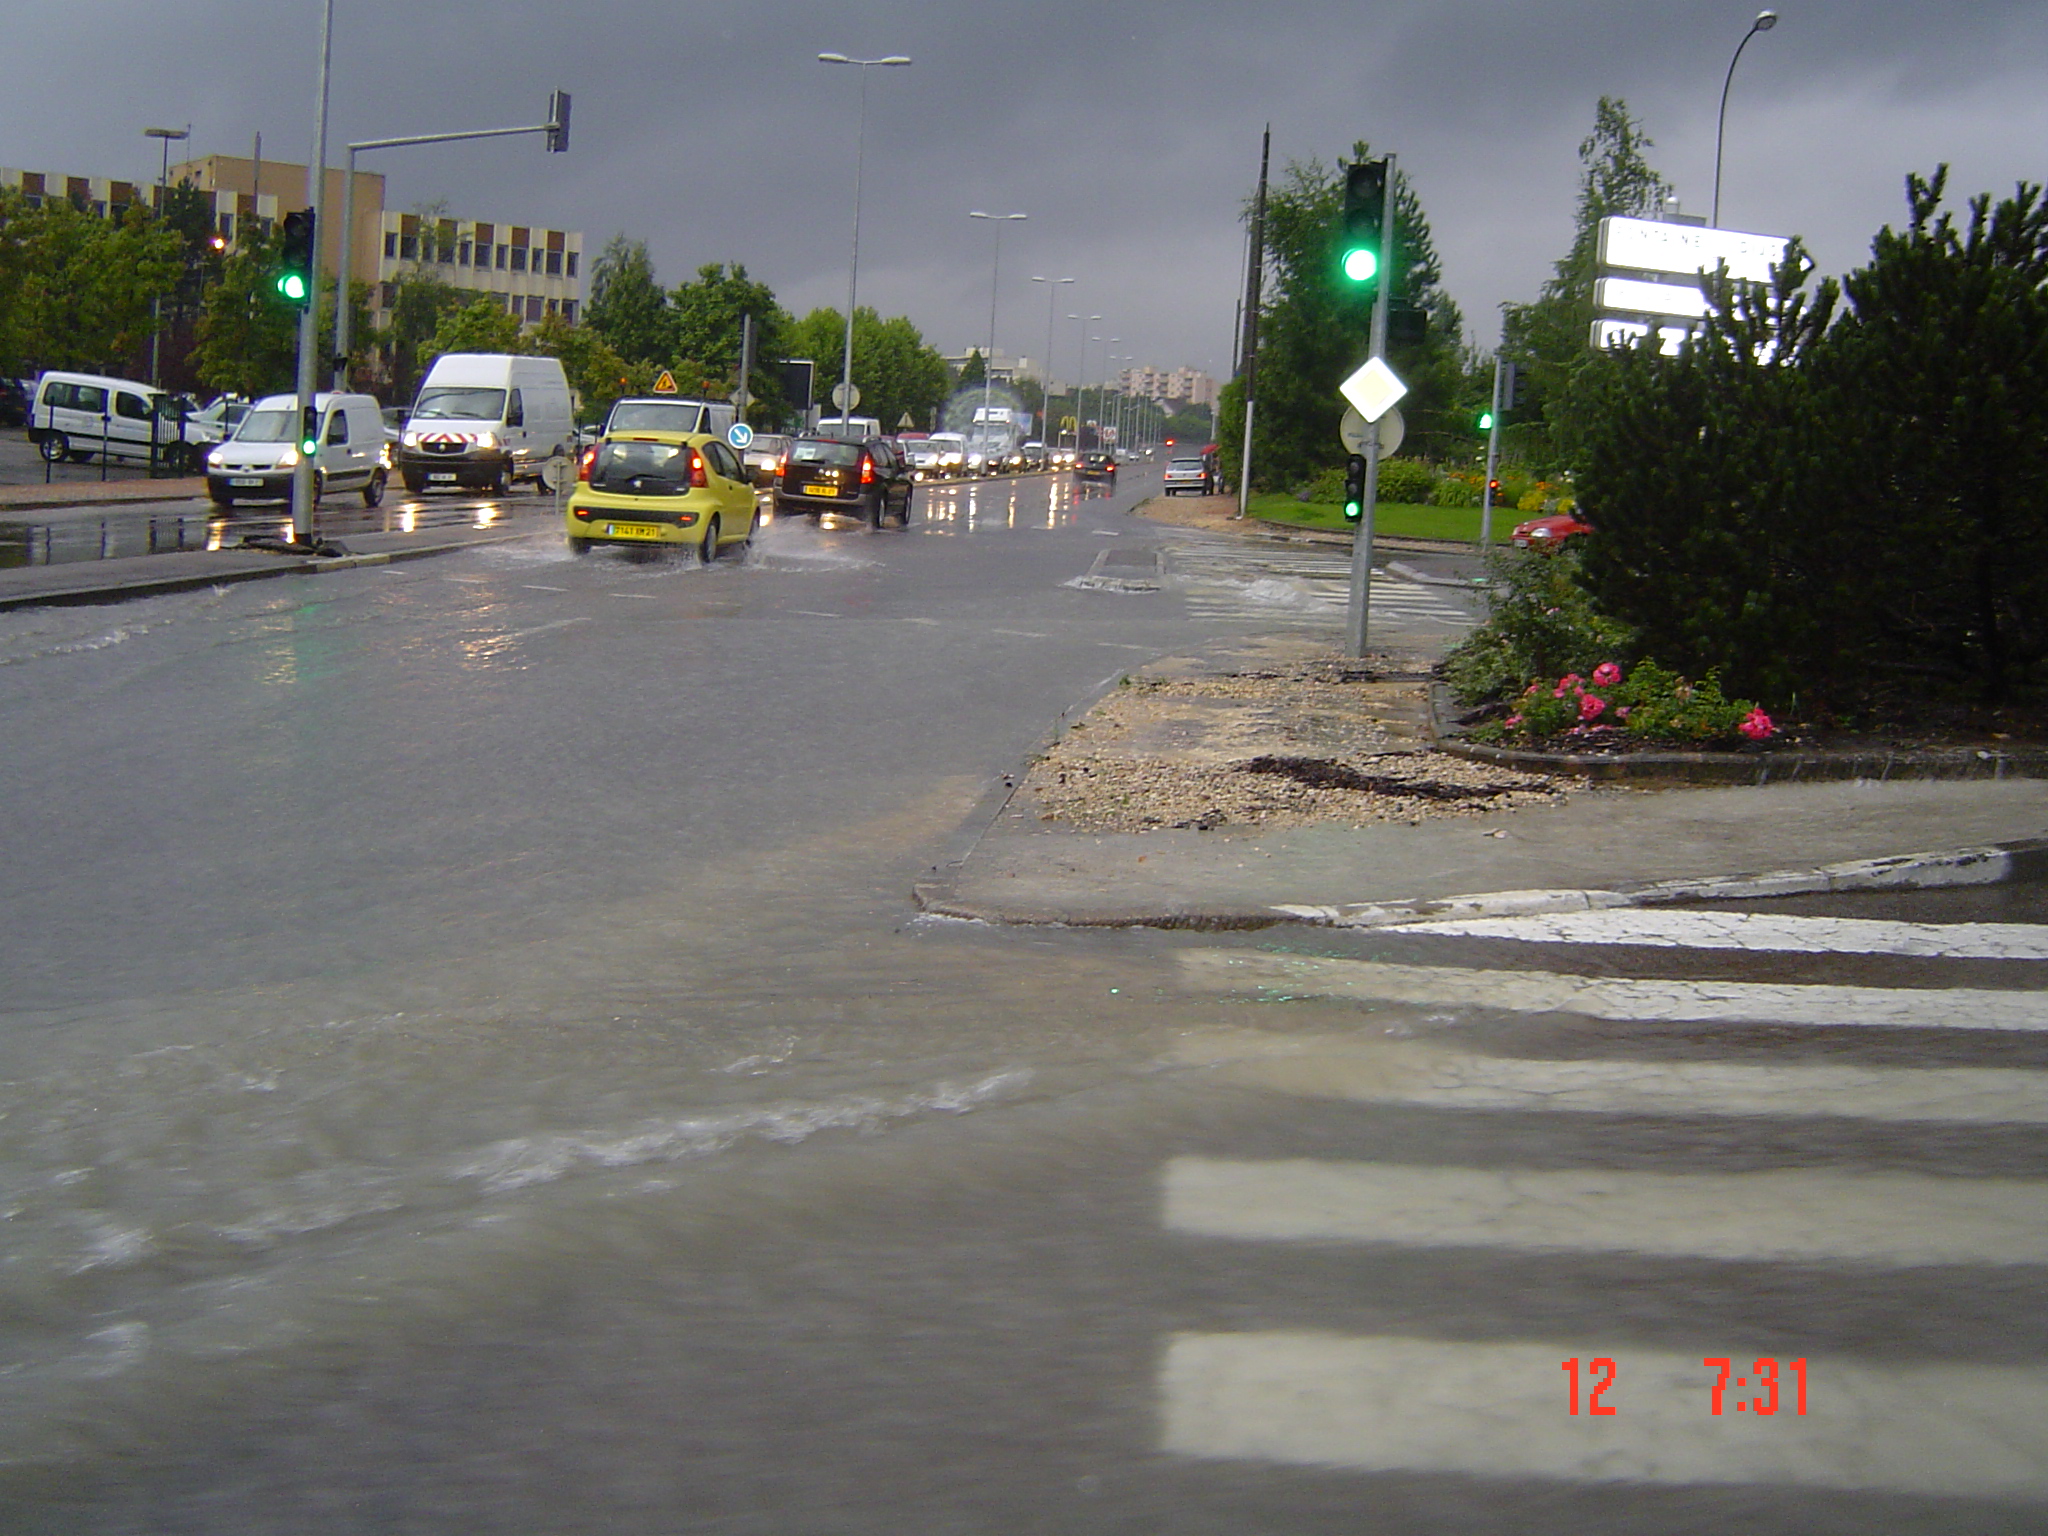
x: 1548, y: 532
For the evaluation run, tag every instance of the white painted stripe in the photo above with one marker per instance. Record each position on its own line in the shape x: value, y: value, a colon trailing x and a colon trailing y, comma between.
x: 534, y: 586
x: 1601, y: 997
x: 1021, y: 634
x: 1785, y: 1215
x: 1502, y: 1410
x: 933, y: 622
x: 1411, y: 1072
x: 641, y: 597
x: 809, y: 614
x: 1759, y: 931
x: 541, y: 629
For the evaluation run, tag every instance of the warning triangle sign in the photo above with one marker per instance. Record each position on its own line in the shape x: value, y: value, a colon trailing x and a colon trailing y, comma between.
x: 666, y: 384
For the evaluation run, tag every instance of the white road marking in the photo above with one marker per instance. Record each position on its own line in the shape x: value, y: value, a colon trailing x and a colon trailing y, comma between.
x: 1118, y: 645
x: 1600, y: 997
x: 1758, y: 931
x: 1793, y: 1215
x: 638, y: 597
x: 541, y: 629
x: 534, y: 586
x: 1021, y: 634
x: 933, y: 622
x: 1503, y: 1410
x: 466, y: 578
x: 807, y: 613
x: 1413, y: 1072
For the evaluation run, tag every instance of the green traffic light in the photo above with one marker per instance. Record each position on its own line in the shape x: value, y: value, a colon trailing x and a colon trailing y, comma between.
x: 1486, y: 421
x: 292, y: 285
x: 1361, y: 264
x: 1353, y: 511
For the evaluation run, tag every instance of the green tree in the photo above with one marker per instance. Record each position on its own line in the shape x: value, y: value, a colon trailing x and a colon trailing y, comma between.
x: 894, y: 368
x: 419, y: 302
x: 596, y: 373
x: 628, y: 307
x: 1315, y: 330
x: 247, y: 335
x: 84, y: 287
x: 482, y: 325
x: 974, y: 372
x: 707, y: 313
x: 1550, y: 339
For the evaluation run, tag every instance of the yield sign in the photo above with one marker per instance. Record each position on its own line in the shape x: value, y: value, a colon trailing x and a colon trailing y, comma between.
x: 1374, y: 389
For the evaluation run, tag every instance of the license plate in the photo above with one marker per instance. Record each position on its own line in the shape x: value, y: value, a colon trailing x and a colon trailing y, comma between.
x: 441, y: 477
x: 631, y: 531
x: 252, y: 483
x: 821, y: 490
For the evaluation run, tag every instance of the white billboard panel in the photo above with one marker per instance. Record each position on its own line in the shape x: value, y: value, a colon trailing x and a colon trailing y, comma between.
x: 1639, y: 245
x: 1633, y: 296
x: 1615, y: 333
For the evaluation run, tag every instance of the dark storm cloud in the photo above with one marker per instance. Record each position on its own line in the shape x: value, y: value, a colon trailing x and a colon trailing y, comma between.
x: 1128, y: 131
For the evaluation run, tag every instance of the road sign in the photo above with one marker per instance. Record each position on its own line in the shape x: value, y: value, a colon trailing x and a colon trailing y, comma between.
x: 1354, y: 427
x: 1686, y: 250
x: 666, y: 384
x: 1374, y: 390
x: 741, y: 398
x: 740, y: 435
x: 846, y: 396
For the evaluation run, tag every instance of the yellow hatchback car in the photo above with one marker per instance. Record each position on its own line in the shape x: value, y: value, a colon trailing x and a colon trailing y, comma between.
x: 661, y: 488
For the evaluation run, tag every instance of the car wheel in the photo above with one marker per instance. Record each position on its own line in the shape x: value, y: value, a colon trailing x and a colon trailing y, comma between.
x: 903, y: 517
x: 874, y: 510
x: 55, y: 445
x: 500, y: 484
x: 373, y: 493
x: 579, y: 546
x: 223, y: 500
x: 753, y: 533
x: 319, y: 486
x: 413, y: 484
x: 708, y: 550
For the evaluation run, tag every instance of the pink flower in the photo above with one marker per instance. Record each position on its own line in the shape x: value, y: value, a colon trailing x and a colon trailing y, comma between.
x: 1590, y: 706
x: 1569, y: 682
x: 1606, y: 675
x: 1512, y: 721
x: 1757, y: 725
x: 1621, y: 713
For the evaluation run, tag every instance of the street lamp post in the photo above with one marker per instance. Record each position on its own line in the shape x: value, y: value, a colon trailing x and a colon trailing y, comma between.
x: 995, y: 278
x: 1052, y: 293
x: 1081, y: 373
x: 1765, y: 20
x: 1102, y: 394
x: 163, y: 192
x: 894, y: 60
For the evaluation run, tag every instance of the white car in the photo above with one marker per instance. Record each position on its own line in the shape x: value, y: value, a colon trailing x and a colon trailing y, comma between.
x: 258, y: 462
x: 1189, y: 474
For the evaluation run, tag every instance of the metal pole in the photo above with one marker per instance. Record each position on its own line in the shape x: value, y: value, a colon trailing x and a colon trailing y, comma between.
x: 1492, y: 463
x: 1358, y: 615
x: 309, y: 317
x: 341, y: 276
x: 1249, y: 320
x: 860, y: 151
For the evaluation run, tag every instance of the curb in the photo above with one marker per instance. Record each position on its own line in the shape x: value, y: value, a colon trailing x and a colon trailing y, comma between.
x: 80, y: 597
x: 2023, y: 861
x: 1741, y: 767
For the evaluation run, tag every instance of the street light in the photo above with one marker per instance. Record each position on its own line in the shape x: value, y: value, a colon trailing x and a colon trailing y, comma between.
x: 894, y: 60
x: 1102, y: 394
x: 1081, y: 373
x: 163, y: 191
x: 1765, y: 20
x: 988, y: 381
x: 1052, y: 293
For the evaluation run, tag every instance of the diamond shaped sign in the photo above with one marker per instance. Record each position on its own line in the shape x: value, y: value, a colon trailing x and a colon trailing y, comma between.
x: 1374, y: 389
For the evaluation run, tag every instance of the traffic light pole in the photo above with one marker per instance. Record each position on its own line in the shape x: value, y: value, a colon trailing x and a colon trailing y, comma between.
x: 1492, y: 463
x: 309, y: 317
x: 1358, y: 615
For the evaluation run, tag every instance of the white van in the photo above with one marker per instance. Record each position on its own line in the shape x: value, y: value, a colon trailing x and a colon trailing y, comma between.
x: 668, y: 413
x: 485, y: 419
x: 78, y: 415
x: 256, y: 464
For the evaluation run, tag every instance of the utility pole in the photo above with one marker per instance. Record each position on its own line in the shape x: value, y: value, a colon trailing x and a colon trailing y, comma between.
x: 309, y: 315
x: 1492, y: 461
x: 1250, y: 340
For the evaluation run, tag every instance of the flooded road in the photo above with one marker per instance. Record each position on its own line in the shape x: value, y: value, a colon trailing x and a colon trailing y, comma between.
x: 469, y: 1062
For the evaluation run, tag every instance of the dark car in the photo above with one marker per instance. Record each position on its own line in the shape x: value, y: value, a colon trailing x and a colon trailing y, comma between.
x: 1096, y: 464
x: 14, y: 398
x: 865, y: 478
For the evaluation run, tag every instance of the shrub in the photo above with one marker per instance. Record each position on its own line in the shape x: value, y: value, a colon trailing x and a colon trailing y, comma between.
x: 1458, y: 488
x: 1647, y: 703
x: 1406, y: 481
x: 1325, y: 490
x: 1542, y: 625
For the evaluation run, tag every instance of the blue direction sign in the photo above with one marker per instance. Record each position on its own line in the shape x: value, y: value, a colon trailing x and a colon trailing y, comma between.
x: 740, y: 435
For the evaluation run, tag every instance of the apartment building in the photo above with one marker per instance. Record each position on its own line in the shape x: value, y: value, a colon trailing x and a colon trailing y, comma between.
x: 1181, y: 386
x: 530, y: 271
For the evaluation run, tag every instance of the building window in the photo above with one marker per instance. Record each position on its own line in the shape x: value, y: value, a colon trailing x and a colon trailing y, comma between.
x: 387, y: 295
x: 569, y: 308
x: 462, y: 255
x: 503, y: 251
x: 572, y: 263
x: 409, y: 247
x: 554, y: 263
x: 533, y: 308
x: 391, y: 245
x: 518, y: 258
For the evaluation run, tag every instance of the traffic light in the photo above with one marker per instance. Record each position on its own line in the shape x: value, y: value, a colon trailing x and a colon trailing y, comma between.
x: 1354, y: 488
x: 1484, y: 422
x: 558, y: 122
x: 1365, y: 202
x: 1510, y: 385
x: 309, y: 431
x: 295, y: 263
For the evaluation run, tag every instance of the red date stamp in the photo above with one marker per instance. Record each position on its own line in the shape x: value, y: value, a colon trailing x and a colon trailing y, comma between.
x: 1591, y: 1379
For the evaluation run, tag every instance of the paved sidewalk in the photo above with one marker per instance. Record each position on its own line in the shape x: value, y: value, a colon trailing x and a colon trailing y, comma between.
x: 99, y: 493
x: 113, y: 581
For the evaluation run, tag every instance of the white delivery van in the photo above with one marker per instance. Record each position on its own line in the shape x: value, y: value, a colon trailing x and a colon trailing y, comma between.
x: 80, y: 415
x: 485, y: 419
x: 668, y: 413
x: 256, y: 464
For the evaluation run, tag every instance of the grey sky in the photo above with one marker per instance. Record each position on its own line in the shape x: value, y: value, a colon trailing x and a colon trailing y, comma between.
x: 1127, y: 129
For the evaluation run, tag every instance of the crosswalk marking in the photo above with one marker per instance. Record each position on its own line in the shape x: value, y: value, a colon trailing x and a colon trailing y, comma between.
x: 1780, y: 1215
x: 1383, y: 1404
x: 1758, y: 931
x: 1412, y: 1072
x: 1600, y: 997
x: 1223, y: 579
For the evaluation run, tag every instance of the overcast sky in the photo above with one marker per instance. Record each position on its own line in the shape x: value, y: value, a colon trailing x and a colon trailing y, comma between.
x: 1127, y: 129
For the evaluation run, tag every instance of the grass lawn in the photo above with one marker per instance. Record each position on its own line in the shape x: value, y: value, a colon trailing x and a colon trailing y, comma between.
x: 1402, y: 521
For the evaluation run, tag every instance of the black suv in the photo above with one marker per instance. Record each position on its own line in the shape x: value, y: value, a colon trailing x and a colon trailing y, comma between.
x: 1096, y: 465
x: 855, y: 477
